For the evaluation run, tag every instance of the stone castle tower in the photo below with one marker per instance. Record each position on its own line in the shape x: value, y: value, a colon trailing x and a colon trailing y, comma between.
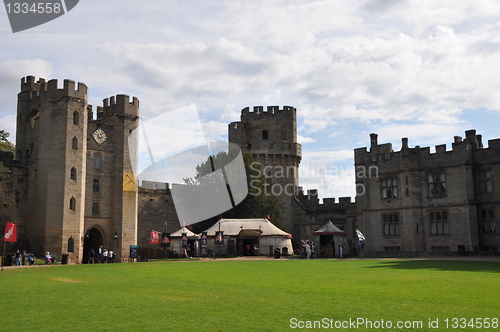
x: 270, y: 136
x: 80, y: 191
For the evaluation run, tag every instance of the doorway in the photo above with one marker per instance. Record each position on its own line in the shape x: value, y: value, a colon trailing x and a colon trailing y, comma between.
x: 327, y: 245
x: 93, y: 240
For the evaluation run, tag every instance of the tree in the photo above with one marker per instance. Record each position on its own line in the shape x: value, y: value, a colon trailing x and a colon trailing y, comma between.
x: 5, y: 144
x: 258, y: 203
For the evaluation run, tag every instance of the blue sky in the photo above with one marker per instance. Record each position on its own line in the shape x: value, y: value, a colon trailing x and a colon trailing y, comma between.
x: 425, y: 70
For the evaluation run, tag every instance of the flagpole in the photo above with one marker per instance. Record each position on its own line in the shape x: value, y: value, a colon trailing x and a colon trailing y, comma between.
x: 360, y: 237
x: 3, y: 254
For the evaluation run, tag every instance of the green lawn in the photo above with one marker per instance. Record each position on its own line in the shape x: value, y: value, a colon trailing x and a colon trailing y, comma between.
x: 269, y: 295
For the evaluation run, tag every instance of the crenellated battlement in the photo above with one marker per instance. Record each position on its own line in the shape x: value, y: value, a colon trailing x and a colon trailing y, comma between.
x: 462, y: 150
x: 50, y: 89
x: 266, y: 129
x: 120, y: 105
x: 270, y: 110
x: 311, y: 200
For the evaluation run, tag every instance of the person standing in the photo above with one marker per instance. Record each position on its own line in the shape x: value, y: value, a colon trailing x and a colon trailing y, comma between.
x: 105, y: 256
x: 91, y: 256
x: 99, y: 255
x: 18, y: 257
x: 24, y: 255
x: 308, y: 250
x: 111, y: 256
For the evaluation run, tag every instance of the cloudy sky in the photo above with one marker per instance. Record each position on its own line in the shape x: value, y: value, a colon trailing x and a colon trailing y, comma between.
x: 425, y: 70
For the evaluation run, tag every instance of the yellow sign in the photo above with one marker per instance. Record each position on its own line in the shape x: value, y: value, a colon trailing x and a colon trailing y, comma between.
x: 129, y: 182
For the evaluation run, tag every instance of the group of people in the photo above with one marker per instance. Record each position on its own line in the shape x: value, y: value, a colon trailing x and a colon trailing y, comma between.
x: 101, y: 256
x: 22, y: 257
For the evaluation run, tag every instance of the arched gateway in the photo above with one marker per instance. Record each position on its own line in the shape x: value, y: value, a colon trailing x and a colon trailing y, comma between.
x: 93, y: 240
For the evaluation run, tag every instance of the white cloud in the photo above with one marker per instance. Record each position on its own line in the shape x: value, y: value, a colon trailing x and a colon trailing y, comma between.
x: 11, y: 72
x: 418, y: 134
x: 304, y: 140
x: 416, y: 69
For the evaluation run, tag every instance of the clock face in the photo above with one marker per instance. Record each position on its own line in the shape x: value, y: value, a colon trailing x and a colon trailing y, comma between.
x: 99, y: 136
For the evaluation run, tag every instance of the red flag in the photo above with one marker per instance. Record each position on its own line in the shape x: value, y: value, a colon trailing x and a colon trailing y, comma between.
x: 10, y: 234
x: 154, y: 237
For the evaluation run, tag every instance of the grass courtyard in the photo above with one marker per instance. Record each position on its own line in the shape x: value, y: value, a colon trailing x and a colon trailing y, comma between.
x: 253, y: 295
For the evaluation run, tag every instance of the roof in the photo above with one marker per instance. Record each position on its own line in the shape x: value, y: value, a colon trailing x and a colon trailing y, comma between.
x: 233, y: 227
x: 178, y: 233
x: 330, y: 229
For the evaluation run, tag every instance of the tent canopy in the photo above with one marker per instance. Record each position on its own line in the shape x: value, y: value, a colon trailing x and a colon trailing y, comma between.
x: 330, y: 229
x: 247, y: 227
x: 178, y: 233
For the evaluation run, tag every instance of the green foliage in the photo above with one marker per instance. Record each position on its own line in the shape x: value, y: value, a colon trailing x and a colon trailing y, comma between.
x: 5, y: 144
x: 226, y: 295
x: 259, y: 201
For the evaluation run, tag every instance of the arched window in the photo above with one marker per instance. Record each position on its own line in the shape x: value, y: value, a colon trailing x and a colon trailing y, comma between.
x: 72, y: 174
x: 74, y: 143
x: 71, y: 244
x: 75, y: 118
x: 72, y: 204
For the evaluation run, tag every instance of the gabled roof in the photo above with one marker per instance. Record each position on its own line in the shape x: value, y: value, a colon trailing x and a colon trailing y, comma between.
x: 330, y: 229
x: 178, y: 233
x: 233, y: 227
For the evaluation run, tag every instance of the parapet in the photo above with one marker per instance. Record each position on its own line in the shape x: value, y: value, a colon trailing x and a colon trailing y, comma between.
x: 311, y: 201
x: 461, y: 149
x: 49, y: 89
x: 260, y: 110
x: 120, y: 105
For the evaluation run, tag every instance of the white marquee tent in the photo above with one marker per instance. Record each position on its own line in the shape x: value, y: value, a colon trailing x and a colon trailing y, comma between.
x: 176, y: 239
x: 249, y: 237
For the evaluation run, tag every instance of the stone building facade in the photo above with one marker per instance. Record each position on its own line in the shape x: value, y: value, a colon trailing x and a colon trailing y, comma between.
x: 269, y: 135
x: 309, y: 215
x: 415, y: 201
x: 72, y: 174
x: 156, y: 212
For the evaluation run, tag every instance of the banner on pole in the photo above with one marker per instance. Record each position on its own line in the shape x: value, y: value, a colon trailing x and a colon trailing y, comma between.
x: 165, y: 240
x: 154, y: 237
x: 219, y: 238
x: 184, y: 240
x: 10, y: 234
x: 204, y: 238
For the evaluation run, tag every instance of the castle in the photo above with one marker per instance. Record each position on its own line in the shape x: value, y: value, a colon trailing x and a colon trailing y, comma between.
x: 70, y: 184
x: 71, y: 187
x: 415, y: 201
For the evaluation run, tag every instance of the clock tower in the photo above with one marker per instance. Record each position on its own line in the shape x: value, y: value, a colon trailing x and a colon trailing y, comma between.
x: 76, y: 165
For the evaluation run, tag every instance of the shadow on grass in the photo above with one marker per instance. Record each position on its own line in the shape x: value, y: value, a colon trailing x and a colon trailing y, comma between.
x: 464, y: 266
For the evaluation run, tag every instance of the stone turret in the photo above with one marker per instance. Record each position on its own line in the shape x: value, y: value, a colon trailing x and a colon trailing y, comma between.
x: 270, y: 136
